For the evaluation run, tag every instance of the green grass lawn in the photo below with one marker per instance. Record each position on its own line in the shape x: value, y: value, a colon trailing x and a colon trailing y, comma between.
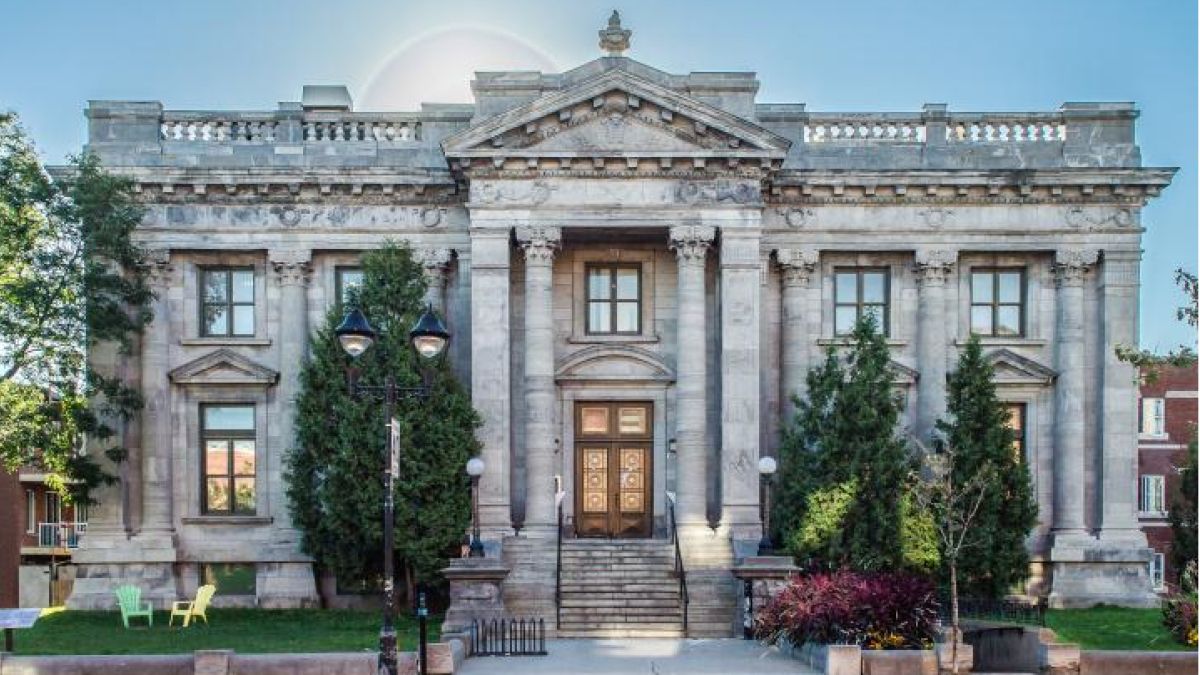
x: 1113, y: 628
x: 243, y: 630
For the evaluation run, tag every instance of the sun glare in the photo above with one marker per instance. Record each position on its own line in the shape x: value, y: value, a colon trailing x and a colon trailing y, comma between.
x: 438, y: 67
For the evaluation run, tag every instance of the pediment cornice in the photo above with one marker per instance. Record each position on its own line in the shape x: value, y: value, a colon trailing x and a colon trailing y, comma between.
x: 613, y: 363
x: 1011, y: 368
x: 223, y: 367
x: 615, y: 114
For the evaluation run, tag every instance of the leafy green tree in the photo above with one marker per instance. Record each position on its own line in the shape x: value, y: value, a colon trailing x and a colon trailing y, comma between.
x: 1183, y: 513
x: 994, y: 558
x: 335, y: 472
x: 1149, y: 363
x: 70, y: 284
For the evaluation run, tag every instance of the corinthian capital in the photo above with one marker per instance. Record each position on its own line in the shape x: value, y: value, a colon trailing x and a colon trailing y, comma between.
x: 291, y: 267
x: 691, y: 242
x: 1071, y: 264
x: 539, y: 242
x: 797, y: 264
x: 934, y: 265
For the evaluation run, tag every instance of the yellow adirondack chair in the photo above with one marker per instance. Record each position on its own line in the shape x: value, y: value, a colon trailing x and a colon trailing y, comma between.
x: 190, y: 609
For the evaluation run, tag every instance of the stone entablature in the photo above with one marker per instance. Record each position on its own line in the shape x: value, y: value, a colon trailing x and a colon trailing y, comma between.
x: 738, y: 218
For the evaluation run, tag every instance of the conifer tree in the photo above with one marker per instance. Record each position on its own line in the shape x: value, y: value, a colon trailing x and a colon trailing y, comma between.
x: 1183, y: 513
x: 865, y: 418
x: 335, y: 472
x: 994, y: 557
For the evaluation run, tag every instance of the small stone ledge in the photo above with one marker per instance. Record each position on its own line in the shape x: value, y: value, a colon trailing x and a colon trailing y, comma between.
x: 225, y: 342
x: 846, y: 342
x: 1005, y: 342
x: 227, y: 520
x: 612, y: 339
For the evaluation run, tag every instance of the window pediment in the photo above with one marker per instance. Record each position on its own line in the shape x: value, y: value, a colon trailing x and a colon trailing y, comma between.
x: 1013, y: 369
x: 224, y: 367
x: 613, y: 363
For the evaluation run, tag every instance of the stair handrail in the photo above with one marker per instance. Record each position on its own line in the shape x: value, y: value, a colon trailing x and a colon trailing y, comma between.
x: 679, y: 569
x: 558, y: 502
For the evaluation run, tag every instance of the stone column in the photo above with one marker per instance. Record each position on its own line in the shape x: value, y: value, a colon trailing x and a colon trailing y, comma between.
x: 1070, y: 268
x: 691, y: 243
x: 797, y: 267
x: 157, y: 526
x: 490, y: 372
x: 436, y: 264
x: 292, y: 272
x: 539, y: 245
x: 1119, y: 302
x: 740, y: 373
x: 933, y: 267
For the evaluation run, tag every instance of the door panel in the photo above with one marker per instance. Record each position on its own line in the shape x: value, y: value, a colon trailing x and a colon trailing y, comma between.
x: 613, y: 476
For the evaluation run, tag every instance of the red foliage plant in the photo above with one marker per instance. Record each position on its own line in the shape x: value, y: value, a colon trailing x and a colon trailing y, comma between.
x: 882, y: 610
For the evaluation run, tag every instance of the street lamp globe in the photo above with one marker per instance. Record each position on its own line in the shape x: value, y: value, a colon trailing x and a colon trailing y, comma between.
x: 766, y: 466
x: 355, y: 333
x: 475, y: 467
x: 429, y: 336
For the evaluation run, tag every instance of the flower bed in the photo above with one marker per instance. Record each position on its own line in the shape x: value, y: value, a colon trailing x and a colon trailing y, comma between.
x: 873, y: 611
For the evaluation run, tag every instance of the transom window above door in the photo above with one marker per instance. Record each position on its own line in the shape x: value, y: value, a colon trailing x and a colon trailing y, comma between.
x: 614, y: 299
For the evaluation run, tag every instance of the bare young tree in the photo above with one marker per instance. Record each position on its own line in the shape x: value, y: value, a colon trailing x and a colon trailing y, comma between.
x: 953, y: 506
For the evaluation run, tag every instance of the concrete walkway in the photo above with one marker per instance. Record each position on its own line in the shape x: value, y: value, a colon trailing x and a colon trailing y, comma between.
x: 652, y: 656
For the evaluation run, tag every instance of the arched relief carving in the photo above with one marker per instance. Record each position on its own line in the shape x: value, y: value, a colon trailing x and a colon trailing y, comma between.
x: 613, y: 363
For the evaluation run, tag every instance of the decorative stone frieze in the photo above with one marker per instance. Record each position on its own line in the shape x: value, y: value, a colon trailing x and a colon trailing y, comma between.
x: 691, y: 243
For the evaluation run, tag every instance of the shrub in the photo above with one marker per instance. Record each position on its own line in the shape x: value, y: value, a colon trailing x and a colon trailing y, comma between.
x: 1179, y: 611
x: 883, y: 610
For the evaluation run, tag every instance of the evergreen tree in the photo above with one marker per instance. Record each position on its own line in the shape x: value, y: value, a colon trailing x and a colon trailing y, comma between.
x: 865, y: 416
x: 335, y: 472
x: 1183, y: 513
x: 994, y: 557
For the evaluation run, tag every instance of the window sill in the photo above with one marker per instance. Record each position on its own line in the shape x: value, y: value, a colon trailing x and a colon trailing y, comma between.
x: 1153, y: 437
x: 846, y: 341
x: 612, y: 339
x: 1013, y: 341
x: 1152, y: 514
x: 228, y: 520
x: 225, y: 342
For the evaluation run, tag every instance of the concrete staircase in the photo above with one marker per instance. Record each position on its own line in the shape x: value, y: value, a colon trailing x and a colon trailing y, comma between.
x: 619, y: 588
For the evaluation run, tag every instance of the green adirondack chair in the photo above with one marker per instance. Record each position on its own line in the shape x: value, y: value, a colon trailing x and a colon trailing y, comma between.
x: 129, y: 599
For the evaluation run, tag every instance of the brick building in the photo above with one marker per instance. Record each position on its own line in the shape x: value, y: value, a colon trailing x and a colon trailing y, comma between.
x: 37, y: 537
x: 1167, y: 421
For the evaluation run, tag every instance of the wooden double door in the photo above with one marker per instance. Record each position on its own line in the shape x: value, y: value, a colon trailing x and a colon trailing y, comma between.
x: 613, y: 463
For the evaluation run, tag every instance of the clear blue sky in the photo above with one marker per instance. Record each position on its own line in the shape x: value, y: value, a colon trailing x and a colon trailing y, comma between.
x: 1024, y: 55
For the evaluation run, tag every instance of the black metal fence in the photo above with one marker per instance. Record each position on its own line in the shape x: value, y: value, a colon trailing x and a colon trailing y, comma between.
x: 1000, y: 611
x: 508, y: 637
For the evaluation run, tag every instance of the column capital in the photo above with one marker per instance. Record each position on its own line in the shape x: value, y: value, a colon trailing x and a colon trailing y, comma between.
x: 539, y: 242
x: 434, y: 260
x: 158, y: 270
x: 1071, y: 264
x: 797, y: 264
x: 291, y: 266
x: 691, y: 242
x: 934, y: 265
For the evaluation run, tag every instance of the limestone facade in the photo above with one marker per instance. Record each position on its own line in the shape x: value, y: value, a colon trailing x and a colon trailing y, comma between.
x: 750, y: 226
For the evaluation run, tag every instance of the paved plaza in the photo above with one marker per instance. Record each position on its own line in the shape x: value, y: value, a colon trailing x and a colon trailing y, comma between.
x: 654, y: 656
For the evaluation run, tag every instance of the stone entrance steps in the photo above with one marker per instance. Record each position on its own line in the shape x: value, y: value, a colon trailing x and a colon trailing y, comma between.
x: 619, y: 588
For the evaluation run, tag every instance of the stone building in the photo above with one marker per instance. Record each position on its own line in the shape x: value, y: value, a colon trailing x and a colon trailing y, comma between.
x: 638, y: 267
x: 1166, y: 424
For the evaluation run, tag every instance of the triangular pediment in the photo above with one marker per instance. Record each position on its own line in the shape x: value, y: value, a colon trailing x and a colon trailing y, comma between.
x: 902, y: 374
x: 223, y: 367
x: 616, y: 113
x: 1013, y: 369
x: 612, y: 363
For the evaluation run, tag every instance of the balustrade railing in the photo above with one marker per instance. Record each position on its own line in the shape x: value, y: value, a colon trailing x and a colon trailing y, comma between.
x: 872, y: 127
x: 268, y: 127
x: 1000, y: 128
x: 60, y: 535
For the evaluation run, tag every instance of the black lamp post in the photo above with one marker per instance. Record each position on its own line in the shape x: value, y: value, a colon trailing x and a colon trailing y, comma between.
x: 428, y: 339
x: 475, y: 468
x: 766, y: 470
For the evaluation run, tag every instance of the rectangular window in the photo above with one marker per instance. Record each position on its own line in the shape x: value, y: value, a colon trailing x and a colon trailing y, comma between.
x: 614, y: 299
x: 227, y: 438
x: 53, y: 507
x: 1154, y: 417
x: 30, y: 512
x: 227, y: 302
x: 997, y: 302
x: 81, y: 512
x: 1016, y: 422
x: 229, y: 578
x: 1153, y: 494
x: 1157, y: 565
x: 349, y: 281
x: 858, y: 292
